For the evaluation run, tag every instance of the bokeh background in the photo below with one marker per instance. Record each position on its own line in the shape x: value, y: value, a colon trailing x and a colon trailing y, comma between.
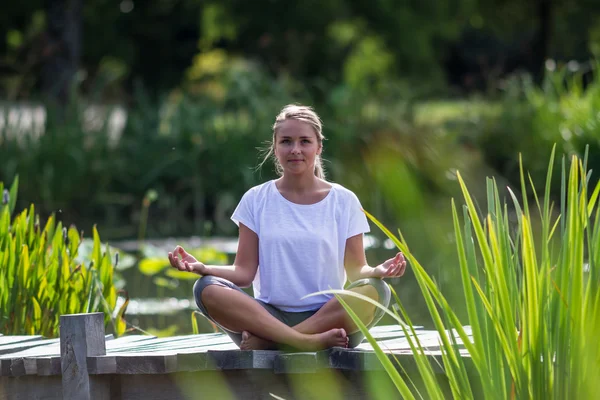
x: 146, y: 118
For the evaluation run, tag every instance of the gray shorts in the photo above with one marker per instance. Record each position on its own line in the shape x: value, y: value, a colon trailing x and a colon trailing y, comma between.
x: 292, y: 318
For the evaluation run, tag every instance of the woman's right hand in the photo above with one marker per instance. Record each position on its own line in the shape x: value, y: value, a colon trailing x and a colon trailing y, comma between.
x: 184, y: 261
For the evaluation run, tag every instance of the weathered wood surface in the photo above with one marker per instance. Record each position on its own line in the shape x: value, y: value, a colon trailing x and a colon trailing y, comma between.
x: 84, y: 364
x: 144, y: 354
x: 81, y: 336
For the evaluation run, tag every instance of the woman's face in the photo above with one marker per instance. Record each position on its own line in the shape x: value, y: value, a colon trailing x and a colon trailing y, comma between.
x: 296, y: 147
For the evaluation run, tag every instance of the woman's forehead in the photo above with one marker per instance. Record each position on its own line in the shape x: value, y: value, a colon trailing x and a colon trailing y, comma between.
x: 293, y: 127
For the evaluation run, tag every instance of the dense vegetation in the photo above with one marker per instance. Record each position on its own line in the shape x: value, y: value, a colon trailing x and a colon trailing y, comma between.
x: 410, y: 93
x: 433, y: 87
x: 532, y: 296
x: 43, y: 276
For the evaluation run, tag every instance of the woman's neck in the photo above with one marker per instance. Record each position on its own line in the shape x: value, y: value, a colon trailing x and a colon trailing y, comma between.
x: 298, y: 183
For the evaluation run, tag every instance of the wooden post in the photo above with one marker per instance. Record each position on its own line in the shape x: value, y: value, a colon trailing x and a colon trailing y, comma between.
x: 82, y: 336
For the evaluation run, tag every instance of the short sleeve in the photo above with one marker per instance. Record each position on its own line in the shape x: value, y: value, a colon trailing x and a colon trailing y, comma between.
x: 244, y: 212
x: 357, y: 220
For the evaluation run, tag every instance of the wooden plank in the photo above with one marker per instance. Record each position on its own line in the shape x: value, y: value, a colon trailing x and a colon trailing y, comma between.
x: 43, y: 348
x: 389, y: 331
x: 178, y: 342
x: 102, y: 365
x: 128, y: 364
x: 4, y: 340
x: 157, y: 387
x: 168, y: 361
x: 141, y: 354
x: 47, y: 366
x: 5, y: 368
x: 352, y: 360
x: 213, y: 341
x: 31, y: 388
x: 187, y: 362
x: 242, y: 359
x: 428, y: 339
x: 300, y: 363
x: 23, y: 366
x: 81, y: 336
x: 203, y: 348
x: 155, y: 364
x: 390, y: 328
x: 189, y: 344
x: 53, y: 348
x: 48, y: 355
x: 15, y: 347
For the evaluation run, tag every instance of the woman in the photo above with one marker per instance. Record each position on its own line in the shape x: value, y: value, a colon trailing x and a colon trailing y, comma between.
x: 298, y: 235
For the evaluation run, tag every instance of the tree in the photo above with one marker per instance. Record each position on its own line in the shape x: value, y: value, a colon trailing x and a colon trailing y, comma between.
x: 62, y: 48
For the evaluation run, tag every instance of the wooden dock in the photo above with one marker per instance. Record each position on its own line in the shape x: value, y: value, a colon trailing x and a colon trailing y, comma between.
x: 86, y: 364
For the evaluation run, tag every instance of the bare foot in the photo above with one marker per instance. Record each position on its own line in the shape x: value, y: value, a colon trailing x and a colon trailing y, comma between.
x: 325, y: 340
x: 310, y: 342
x: 253, y: 342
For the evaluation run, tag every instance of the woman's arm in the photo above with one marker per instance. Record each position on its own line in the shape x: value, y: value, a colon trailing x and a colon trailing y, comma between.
x: 241, y: 273
x: 355, y: 262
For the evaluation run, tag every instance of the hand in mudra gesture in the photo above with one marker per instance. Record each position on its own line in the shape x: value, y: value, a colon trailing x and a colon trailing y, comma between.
x: 392, y: 268
x: 184, y: 261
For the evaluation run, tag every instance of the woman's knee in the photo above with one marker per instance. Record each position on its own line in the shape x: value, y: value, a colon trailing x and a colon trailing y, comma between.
x: 203, y: 291
x: 375, y: 286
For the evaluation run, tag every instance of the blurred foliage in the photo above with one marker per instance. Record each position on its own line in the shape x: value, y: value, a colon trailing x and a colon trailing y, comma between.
x: 531, y: 297
x: 153, y: 265
x: 564, y: 110
x: 320, y: 43
x: 40, y: 277
x: 195, y: 150
x: 198, y: 84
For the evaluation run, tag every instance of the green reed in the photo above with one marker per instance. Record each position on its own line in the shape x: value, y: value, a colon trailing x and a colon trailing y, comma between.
x: 39, y: 276
x: 531, y: 295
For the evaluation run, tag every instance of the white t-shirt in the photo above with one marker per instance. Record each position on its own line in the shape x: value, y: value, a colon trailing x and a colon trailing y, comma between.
x: 300, y: 246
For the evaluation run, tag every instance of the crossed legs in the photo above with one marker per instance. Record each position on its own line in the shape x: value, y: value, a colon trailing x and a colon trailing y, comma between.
x: 329, y: 317
x: 237, y: 312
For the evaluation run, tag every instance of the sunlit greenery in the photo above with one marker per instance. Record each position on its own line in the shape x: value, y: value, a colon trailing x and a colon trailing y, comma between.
x: 563, y: 110
x: 409, y: 93
x: 532, y: 299
x: 40, y: 278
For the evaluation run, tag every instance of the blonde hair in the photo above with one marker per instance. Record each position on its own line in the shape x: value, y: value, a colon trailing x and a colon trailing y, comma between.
x: 299, y: 113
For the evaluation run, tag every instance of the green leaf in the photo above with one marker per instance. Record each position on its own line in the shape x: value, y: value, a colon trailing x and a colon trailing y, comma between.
x: 164, y: 282
x: 14, y: 188
x: 182, y: 275
x: 152, y: 266
x: 37, y: 313
x: 383, y: 358
x: 121, y: 324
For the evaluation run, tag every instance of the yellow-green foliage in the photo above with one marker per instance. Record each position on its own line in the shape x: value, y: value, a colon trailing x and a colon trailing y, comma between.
x: 39, y: 277
x: 532, y: 296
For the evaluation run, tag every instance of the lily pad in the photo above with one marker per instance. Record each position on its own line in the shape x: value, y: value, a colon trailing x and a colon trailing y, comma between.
x: 152, y: 266
x: 84, y: 255
x: 209, y: 255
x: 164, y: 282
x: 182, y: 275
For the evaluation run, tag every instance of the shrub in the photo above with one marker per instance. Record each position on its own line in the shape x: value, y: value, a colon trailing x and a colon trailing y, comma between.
x: 562, y: 111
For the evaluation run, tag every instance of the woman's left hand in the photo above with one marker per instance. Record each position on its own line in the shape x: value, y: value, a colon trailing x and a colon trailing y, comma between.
x: 392, y: 268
